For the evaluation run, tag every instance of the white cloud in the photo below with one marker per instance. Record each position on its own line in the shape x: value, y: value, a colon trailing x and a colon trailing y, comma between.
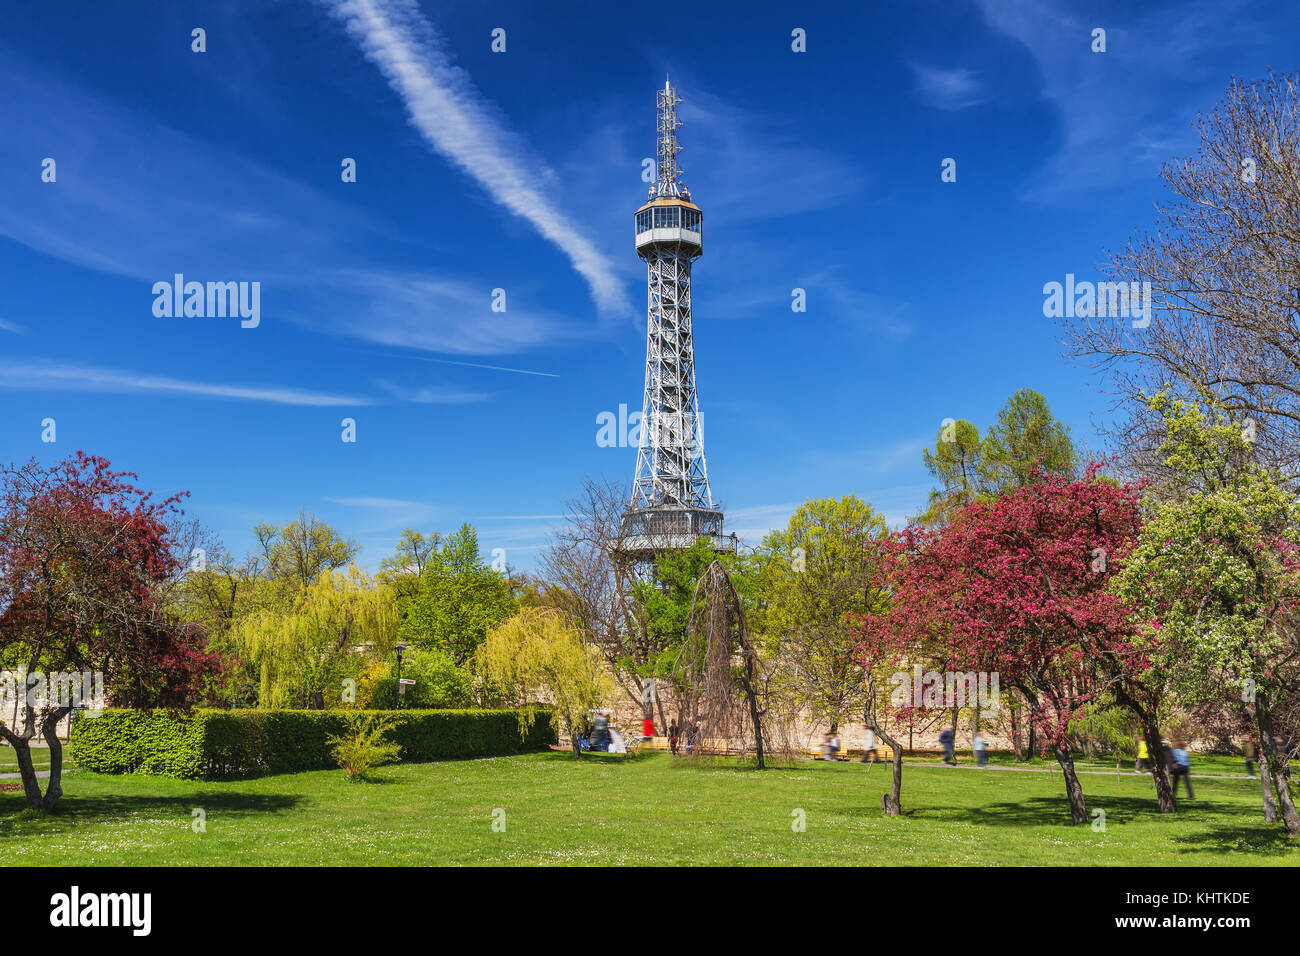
x: 1128, y: 109
x: 363, y: 502
x: 387, y: 514
x: 433, y: 394
x: 742, y: 152
x: 450, y: 114
x: 416, y: 311
x: 45, y: 375
x: 257, y: 224
x: 954, y: 89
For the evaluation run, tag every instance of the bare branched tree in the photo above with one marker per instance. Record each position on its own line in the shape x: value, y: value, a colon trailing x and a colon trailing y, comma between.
x: 592, y: 585
x: 1224, y: 269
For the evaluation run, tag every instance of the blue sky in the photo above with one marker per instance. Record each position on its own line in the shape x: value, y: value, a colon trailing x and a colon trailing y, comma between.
x: 521, y: 171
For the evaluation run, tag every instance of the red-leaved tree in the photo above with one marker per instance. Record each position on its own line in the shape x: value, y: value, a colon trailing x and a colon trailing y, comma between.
x: 1017, y: 586
x: 83, y: 553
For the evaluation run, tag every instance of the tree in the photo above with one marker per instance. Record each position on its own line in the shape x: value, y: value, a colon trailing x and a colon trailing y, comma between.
x: 1216, y: 577
x: 664, y: 602
x: 538, y: 655
x: 1012, y: 586
x: 303, y: 550
x: 958, y: 463
x: 302, y: 651
x: 438, y: 683
x: 460, y: 598
x: 83, y: 555
x: 589, y: 585
x: 1224, y: 281
x: 404, y: 568
x: 1025, y: 441
x: 816, y: 581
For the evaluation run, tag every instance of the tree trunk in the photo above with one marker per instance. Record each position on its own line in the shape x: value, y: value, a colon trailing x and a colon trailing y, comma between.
x: 54, y: 786
x: 1159, y: 772
x: 31, y: 786
x: 1276, y: 779
x: 1266, y: 787
x: 892, y: 802
x: 754, y: 713
x: 22, y: 745
x: 573, y: 738
x: 1145, y: 712
x: 1078, y: 811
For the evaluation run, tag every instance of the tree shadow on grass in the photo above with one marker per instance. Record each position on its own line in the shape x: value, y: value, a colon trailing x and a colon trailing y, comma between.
x: 1047, y: 811
x: 80, y: 810
x: 1263, y: 839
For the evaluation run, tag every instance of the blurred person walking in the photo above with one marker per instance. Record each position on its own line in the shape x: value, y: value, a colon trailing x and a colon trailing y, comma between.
x: 1182, y: 768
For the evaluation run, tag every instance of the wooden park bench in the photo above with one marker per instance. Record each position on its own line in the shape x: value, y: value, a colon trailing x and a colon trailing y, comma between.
x: 883, y: 753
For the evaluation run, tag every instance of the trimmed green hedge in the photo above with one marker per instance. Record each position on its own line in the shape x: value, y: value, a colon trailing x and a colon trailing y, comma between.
x: 203, y: 744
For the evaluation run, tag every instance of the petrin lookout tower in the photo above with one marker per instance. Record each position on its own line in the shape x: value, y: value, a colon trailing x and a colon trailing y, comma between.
x: 671, y: 504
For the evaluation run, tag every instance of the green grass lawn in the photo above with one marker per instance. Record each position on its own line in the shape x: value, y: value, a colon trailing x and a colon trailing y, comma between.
x: 9, y: 760
x: 1201, y: 763
x: 651, y: 810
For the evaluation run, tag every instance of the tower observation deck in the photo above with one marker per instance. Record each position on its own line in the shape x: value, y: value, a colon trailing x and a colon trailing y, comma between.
x: 672, y: 505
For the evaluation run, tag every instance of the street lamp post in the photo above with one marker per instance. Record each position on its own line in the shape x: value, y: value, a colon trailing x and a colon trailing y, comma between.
x: 400, y: 648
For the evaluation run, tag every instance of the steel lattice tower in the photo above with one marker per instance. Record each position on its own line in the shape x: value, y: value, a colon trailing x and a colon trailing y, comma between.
x: 672, y: 505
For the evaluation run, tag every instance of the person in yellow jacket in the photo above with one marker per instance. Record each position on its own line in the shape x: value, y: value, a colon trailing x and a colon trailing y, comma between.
x: 1142, y: 754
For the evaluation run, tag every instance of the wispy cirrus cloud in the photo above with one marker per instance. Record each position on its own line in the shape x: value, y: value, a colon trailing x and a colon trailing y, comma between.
x: 1126, y: 110
x: 257, y: 224
x: 447, y: 110
x: 432, y: 394
x: 748, y: 150
x: 10, y: 327
x: 377, y: 520
x: 72, y: 377
x: 955, y: 89
x: 431, y: 313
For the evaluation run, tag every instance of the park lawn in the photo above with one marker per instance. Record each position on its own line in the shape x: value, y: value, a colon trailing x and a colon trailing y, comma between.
x: 9, y: 760
x: 1217, y: 764
x: 651, y: 810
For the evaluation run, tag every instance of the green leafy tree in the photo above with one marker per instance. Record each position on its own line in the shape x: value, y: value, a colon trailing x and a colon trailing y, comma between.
x: 663, y: 604
x: 1215, y: 577
x: 404, y: 568
x: 303, y: 550
x: 538, y: 656
x: 459, y: 599
x: 439, y: 682
x: 816, y: 583
x: 303, y: 650
x: 1026, y: 439
x: 957, y: 463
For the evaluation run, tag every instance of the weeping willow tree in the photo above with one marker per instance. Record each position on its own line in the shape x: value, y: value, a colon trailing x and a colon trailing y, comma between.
x: 724, y: 699
x: 538, y: 655
x: 303, y: 650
